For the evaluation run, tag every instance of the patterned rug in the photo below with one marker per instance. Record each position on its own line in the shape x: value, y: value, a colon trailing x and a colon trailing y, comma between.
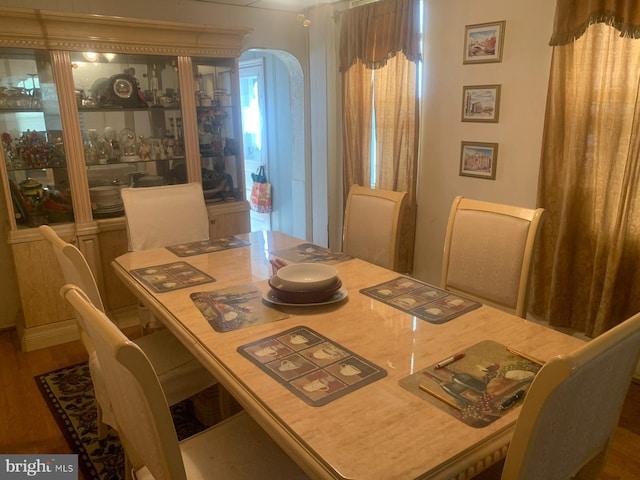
x: 69, y: 394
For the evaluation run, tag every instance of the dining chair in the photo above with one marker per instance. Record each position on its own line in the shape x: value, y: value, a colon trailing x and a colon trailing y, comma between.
x: 162, y: 216
x: 181, y: 374
x: 570, y: 413
x: 487, y: 252
x: 165, y: 215
x: 372, y: 225
x: 236, y: 448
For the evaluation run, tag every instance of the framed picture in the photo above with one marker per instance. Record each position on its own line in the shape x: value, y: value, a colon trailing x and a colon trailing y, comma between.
x: 481, y: 103
x: 479, y: 159
x: 483, y: 42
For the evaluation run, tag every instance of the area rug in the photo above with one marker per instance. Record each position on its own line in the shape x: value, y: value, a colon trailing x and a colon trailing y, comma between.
x: 69, y: 395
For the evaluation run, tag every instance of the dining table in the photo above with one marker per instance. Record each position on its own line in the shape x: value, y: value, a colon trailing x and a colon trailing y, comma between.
x: 382, y: 427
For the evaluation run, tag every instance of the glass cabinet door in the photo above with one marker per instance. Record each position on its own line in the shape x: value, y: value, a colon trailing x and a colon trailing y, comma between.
x: 214, y: 84
x: 32, y: 139
x: 131, y: 124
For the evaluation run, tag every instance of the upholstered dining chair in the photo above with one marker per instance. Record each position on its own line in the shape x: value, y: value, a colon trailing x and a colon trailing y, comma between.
x: 487, y: 252
x: 372, y: 225
x: 571, y: 410
x: 162, y: 216
x: 165, y: 215
x: 236, y: 448
x: 180, y: 373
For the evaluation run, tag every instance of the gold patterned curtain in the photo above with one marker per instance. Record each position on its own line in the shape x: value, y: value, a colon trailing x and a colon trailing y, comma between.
x: 587, y: 268
x: 379, y: 50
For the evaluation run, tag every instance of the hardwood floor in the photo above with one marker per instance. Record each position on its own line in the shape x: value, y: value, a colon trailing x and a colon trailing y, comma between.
x: 27, y: 426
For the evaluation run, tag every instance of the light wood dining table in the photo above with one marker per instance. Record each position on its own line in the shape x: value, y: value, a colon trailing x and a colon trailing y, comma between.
x: 380, y: 431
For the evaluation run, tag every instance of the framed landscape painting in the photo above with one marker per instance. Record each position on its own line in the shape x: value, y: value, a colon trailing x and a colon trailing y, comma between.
x: 479, y: 159
x: 483, y: 42
x: 481, y: 103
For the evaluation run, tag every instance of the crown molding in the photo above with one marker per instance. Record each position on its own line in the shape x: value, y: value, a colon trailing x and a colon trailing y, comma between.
x: 32, y: 28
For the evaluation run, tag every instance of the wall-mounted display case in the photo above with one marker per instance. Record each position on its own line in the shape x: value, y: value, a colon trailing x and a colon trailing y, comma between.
x: 90, y: 104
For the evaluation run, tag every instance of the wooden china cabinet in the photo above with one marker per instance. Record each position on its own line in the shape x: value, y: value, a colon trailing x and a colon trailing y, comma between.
x: 90, y: 104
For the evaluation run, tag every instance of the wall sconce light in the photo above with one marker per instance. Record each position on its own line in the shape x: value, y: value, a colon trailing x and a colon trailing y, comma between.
x: 109, y: 56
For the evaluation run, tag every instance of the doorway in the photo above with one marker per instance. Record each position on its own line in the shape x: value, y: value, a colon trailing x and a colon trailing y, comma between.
x: 272, y: 100
x: 252, y: 104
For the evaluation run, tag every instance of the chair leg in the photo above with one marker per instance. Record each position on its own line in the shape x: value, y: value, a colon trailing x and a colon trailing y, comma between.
x: 102, y: 427
x: 129, y: 474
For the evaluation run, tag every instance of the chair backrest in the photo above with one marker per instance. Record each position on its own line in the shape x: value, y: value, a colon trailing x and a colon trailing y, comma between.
x: 372, y: 225
x: 572, y: 408
x: 487, y: 252
x: 73, y: 264
x: 165, y: 215
x: 144, y: 421
x: 75, y: 270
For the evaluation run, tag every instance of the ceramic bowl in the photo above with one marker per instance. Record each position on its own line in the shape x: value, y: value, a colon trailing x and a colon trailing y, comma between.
x: 302, y: 297
x: 306, y: 277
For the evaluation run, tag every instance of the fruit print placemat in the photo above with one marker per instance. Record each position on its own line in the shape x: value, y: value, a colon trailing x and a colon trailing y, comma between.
x: 421, y: 299
x: 478, y: 388
x: 310, y: 365
x: 171, y: 276
x: 235, y: 307
x: 207, y: 246
x: 310, y: 253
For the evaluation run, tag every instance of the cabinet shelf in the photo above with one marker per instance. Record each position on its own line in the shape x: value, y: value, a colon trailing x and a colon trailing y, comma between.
x: 20, y: 110
x: 128, y: 109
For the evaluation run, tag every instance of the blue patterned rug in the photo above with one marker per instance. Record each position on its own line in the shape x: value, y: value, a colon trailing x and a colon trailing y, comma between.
x: 69, y: 394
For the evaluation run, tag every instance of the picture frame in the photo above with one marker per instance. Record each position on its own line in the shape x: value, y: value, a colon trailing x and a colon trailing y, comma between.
x: 481, y: 103
x: 478, y: 159
x: 483, y: 42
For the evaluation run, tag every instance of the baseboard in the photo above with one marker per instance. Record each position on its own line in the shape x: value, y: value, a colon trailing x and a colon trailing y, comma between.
x: 42, y: 336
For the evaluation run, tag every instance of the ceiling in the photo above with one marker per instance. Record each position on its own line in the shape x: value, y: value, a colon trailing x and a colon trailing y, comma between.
x: 289, y: 5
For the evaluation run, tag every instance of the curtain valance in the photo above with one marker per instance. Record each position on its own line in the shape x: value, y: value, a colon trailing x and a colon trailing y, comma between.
x: 376, y: 32
x: 574, y: 16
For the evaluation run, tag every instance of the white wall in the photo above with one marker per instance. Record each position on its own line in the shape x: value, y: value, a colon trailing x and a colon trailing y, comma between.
x: 523, y: 74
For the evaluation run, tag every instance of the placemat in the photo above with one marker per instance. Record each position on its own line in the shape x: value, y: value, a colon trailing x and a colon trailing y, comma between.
x: 474, y: 388
x: 171, y: 276
x: 421, y: 299
x: 310, y: 253
x: 206, y: 246
x: 235, y: 307
x: 310, y: 365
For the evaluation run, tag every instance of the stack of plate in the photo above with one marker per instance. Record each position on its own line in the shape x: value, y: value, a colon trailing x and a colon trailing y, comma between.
x: 106, y: 199
x: 306, y: 283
